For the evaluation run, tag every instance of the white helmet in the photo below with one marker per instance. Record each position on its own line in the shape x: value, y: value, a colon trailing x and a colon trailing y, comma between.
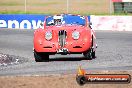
x: 58, y: 19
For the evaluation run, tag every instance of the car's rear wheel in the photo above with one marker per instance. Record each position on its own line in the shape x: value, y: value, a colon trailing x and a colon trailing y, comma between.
x: 41, y: 57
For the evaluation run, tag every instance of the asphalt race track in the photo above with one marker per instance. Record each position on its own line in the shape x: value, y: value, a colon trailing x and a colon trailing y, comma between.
x: 114, y: 52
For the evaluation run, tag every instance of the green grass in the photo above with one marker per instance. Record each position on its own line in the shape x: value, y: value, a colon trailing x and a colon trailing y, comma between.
x: 12, y: 12
x: 91, y: 4
x: 83, y: 7
x: 44, y: 4
x: 52, y: 13
x: 30, y: 4
x: 11, y: 4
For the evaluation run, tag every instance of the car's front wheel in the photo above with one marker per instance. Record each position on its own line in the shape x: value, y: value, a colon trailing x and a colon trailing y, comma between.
x: 90, y: 54
x: 40, y: 57
x: 93, y: 54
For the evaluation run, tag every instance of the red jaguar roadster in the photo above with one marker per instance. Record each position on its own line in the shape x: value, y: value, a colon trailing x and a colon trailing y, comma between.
x: 64, y: 34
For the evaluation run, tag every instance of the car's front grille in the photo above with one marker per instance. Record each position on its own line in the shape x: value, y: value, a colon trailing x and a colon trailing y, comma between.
x: 62, y: 37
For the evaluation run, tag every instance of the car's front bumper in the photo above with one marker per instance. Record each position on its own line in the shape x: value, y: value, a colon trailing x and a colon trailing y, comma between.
x: 70, y: 47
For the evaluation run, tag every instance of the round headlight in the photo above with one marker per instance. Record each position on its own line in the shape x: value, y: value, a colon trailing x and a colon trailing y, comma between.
x: 75, y: 35
x: 48, y: 35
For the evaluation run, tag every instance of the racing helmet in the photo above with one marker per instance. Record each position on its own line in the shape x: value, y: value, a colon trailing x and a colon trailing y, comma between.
x: 58, y: 19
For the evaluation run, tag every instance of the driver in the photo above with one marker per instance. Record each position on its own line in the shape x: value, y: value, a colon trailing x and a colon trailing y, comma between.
x: 58, y: 20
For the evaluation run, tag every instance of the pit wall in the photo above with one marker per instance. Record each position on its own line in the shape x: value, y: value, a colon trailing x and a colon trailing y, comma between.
x: 23, y: 21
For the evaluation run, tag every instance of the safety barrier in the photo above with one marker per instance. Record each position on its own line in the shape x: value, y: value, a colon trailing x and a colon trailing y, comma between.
x: 23, y: 21
x: 115, y: 23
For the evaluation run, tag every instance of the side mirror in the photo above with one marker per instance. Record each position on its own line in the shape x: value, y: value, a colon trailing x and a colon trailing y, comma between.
x: 90, y: 23
x: 41, y: 24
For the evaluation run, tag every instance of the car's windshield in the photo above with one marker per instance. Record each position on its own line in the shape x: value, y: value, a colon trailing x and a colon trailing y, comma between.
x: 65, y: 20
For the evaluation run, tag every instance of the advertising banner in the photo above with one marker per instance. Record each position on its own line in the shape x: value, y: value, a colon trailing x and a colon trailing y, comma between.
x: 115, y: 23
x: 121, y: 0
x: 116, y: 0
x: 22, y: 21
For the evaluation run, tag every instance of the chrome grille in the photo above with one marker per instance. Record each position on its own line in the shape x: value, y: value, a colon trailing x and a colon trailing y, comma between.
x: 62, y: 37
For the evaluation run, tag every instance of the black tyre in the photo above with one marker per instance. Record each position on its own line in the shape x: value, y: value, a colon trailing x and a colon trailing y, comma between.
x: 81, y: 80
x: 88, y: 54
x: 92, y: 51
x: 93, y: 54
x: 40, y: 57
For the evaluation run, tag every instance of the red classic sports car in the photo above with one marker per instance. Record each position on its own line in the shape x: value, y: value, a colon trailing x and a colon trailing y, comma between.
x: 64, y: 34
